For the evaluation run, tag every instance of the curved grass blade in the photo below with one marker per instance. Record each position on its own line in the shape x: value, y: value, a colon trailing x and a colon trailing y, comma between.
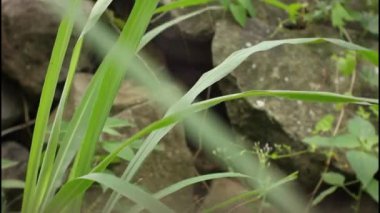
x: 88, y: 120
x: 257, y: 193
x: 48, y: 90
x: 154, y: 32
x: 68, y: 191
x: 180, y: 4
x: 190, y: 181
x: 211, y: 77
x: 44, y: 185
x: 128, y: 190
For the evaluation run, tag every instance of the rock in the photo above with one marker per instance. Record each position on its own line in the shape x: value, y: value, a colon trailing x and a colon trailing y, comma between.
x: 200, y: 27
x: 223, y: 189
x: 290, y: 67
x: 11, y: 150
x: 28, y: 34
x: 11, y: 103
x: 162, y: 168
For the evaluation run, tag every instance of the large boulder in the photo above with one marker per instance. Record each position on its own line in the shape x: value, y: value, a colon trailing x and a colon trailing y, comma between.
x: 289, y: 67
x: 28, y: 34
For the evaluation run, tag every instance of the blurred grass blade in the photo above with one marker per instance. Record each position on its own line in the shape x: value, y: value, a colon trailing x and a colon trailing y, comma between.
x: 128, y: 190
x: 190, y: 181
x: 5, y: 163
x: 99, y: 8
x: 154, y: 32
x: 179, y: 4
x: 12, y: 184
x: 47, y: 95
x: 68, y: 191
x: 208, y: 79
x: 128, y: 42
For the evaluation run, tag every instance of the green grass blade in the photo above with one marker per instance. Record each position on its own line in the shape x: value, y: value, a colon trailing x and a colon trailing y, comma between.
x: 128, y: 190
x: 68, y: 191
x: 129, y: 39
x: 99, y: 8
x: 45, y: 176
x: 180, y: 4
x: 190, y: 181
x: 47, y: 95
x: 156, y: 31
x: 48, y: 161
x: 88, y: 120
x: 255, y: 193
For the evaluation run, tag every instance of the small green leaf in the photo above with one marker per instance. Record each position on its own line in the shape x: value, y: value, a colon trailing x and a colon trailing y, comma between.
x: 339, y: 16
x: 369, y: 21
x: 318, y: 141
x: 364, y: 165
x: 333, y: 178
x: 373, y: 189
x: 370, y: 75
x: 370, y: 142
x: 325, y: 124
x: 12, y: 184
x: 127, y: 154
x: 346, y: 65
x: 361, y: 128
x: 225, y: 3
x: 239, y: 13
x: 375, y: 109
x: 363, y: 113
x: 111, y: 131
x: 247, y: 4
x: 323, y: 195
x: 293, y: 11
x: 5, y: 163
x: 117, y: 122
x: 345, y: 141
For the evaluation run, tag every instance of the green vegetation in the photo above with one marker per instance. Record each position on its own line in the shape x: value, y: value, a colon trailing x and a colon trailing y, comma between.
x: 58, y: 176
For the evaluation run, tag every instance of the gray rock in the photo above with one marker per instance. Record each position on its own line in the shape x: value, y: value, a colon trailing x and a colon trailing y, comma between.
x: 223, y: 189
x: 28, y: 34
x: 11, y: 150
x: 290, y: 67
x: 11, y: 104
x: 200, y: 27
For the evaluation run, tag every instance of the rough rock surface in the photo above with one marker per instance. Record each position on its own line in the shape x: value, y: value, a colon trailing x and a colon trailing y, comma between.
x: 162, y: 168
x: 11, y: 150
x: 28, y: 34
x: 224, y: 189
x: 200, y: 27
x: 11, y: 103
x: 290, y: 67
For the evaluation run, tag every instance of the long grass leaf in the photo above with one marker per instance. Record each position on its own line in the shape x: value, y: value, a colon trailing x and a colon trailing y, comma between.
x: 72, y: 188
x: 211, y: 77
x: 188, y: 182
x: 156, y: 31
x: 88, y: 120
x: 180, y: 4
x: 128, y: 190
x: 255, y: 193
x: 47, y: 95
x: 45, y: 176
